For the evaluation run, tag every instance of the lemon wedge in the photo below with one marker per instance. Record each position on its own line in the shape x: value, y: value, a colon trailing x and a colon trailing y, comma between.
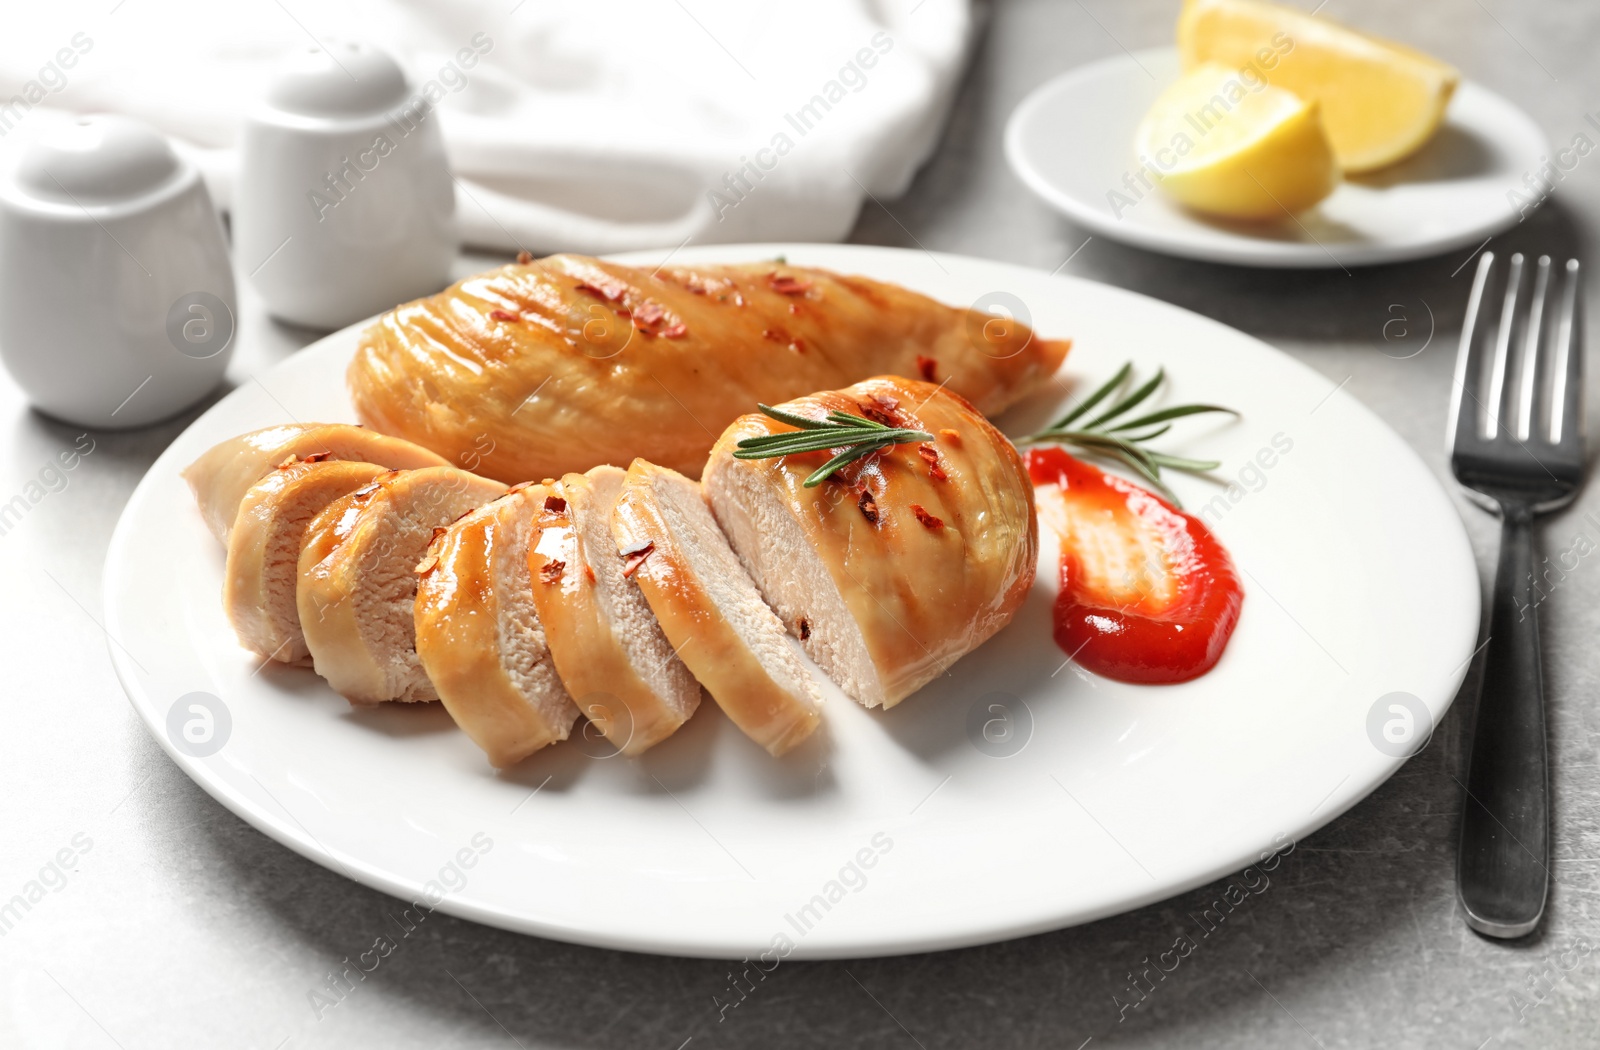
x: 1381, y: 101
x: 1222, y: 145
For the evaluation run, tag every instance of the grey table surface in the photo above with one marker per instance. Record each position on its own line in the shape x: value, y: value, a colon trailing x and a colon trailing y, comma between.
x: 183, y: 927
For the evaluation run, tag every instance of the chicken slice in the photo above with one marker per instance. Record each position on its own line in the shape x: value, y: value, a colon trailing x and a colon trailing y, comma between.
x: 358, y: 581
x: 262, y: 573
x: 221, y: 477
x: 606, y: 642
x: 710, y: 609
x: 479, y: 637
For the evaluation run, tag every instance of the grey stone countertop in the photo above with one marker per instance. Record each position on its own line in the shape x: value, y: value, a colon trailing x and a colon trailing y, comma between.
x: 180, y: 926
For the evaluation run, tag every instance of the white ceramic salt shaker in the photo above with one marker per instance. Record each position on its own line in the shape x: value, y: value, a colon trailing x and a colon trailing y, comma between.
x: 117, y: 299
x: 344, y: 205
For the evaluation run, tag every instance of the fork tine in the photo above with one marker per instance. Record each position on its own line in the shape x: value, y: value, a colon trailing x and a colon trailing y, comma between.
x: 1466, y: 394
x: 1535, y: 371
x: 1566, y: 415
x: 1501, y: 365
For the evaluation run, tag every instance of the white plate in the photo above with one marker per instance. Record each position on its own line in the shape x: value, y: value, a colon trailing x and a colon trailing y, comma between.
x: 1071, y: 142
x: 1359, y: 583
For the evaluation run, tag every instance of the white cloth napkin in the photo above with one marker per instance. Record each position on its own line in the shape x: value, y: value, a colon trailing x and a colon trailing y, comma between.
x: 586, y: 125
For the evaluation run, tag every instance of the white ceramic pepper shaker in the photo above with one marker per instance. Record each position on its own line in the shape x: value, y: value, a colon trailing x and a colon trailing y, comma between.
x: 344, y: 204
x: 117, y: 299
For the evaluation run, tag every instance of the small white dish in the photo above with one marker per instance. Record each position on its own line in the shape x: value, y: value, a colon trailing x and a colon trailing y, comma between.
x: 919, y: 828
x: 344, y: 204
x: 1071, y: 142
x: 117, y: 301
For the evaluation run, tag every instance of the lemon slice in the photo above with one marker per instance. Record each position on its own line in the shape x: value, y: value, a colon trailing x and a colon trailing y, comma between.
x: 1242, y: 150
x: 1381, y: 101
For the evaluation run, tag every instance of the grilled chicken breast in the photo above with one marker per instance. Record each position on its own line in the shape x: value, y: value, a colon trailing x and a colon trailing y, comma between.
x: 262, y: 574
x: 539, y: 369
x: 900, y: 562
x: 479, y: 636
x: 710, y: 610
x: 606, y: 642
x: 358, y: 581
x: 221, y: 477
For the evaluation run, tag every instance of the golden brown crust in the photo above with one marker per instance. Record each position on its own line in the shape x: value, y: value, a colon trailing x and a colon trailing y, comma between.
x: 460, y: 639
x: 534, y: 370
x: 933, y: 546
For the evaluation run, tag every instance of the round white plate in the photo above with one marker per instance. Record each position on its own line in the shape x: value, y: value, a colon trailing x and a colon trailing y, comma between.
x: 893, y: 832
x: 1071, y: 142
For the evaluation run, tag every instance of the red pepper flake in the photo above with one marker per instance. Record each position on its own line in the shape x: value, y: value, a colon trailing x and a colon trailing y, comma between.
x: 785, y: 284
x: 635, y: 557
x: 504, y: 315
x: 928, y: 368
x: 605, y: 286
x: 588, y: 573
x: 781, y: 335
x: 551, y: 573
x: 524, y: 258
x: 929, y: 520
x: 555, y: 504
x: 930, y: 456
x: 805, y: 628
x: 881, y: 409
x: 651, y: 318
x: 868, y: 505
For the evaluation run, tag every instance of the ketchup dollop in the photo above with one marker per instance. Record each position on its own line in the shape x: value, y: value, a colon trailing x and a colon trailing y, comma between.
x: 1148, y: 595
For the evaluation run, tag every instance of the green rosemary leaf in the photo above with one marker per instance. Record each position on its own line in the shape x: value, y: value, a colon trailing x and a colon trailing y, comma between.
x: 804, y: 422
x: 846, y: 419
x: 1175, y: 412
x: 1128, y: 402
x: 1191, y: 466
x: 1147, y: 435
x: 1094, y: 398
x: 849, y: 455
x: 1123, y: 443
x: 1125, y: 448
x: 853, y: 436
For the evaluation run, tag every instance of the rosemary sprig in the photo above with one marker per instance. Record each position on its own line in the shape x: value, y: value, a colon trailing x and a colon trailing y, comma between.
x: 1108, y: 435
x: 853, y: 436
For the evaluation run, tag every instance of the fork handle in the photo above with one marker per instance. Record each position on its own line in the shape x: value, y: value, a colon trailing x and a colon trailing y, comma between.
x: 1504, y: 859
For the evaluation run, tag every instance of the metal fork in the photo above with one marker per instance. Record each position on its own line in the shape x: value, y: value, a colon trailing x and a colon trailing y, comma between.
x: 1516, y: 446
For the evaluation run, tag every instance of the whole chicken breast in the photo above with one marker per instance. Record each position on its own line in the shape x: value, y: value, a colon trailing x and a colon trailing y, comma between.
x: 902, y: 561
x: 543, y: 368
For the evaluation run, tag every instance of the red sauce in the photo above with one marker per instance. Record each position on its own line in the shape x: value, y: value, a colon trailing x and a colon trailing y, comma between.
x: 1148, y: 595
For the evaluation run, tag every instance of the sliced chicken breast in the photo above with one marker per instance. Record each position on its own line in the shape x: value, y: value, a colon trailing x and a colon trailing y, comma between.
x: 479, y: 636
x: 221, y: 477
x: 606, y: 642
x: 902, y: 561
x: 259, y: 583
x: 358, y: 582
x: 710, y: 609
